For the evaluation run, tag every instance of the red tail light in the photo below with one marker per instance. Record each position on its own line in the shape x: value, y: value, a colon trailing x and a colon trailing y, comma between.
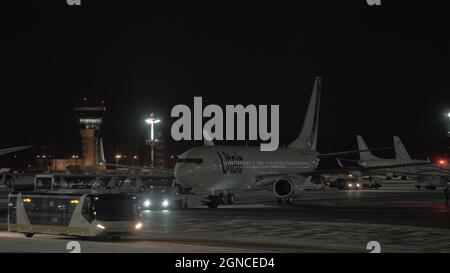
x: 442, y: 162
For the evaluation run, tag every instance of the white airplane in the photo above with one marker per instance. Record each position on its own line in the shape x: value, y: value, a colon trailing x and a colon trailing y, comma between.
x: 387, y: 167
x: 431, y: 175
x: 422, y: 170
x: 211, y: 169
x: 367, y: 159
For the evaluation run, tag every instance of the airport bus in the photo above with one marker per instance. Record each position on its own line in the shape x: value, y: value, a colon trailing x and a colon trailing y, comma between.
x: 113, y: 181
x: 87, y: 214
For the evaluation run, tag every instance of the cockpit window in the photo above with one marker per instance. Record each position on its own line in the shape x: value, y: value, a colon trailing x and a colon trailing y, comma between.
x: 190, y: 160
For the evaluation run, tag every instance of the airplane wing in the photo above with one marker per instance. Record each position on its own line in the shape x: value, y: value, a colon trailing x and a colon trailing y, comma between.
x: 12, y: 150
x: 140, y: 168
x: 351, y: 152
x: 265, y: 180
x: 342, y: 170
x: 366, y: 169
x: 427, y: 173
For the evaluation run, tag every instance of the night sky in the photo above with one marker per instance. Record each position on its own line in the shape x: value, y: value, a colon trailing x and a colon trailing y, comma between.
x: 385, y: 69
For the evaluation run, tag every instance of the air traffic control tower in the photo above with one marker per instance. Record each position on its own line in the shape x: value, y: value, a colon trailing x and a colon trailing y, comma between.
x: 90, y: 120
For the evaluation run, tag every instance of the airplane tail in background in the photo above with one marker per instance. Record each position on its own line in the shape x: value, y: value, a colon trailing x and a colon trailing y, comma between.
x: 102, y: 153
x: 363, y: 146
x: 400, y: 150
x: 307, y: 140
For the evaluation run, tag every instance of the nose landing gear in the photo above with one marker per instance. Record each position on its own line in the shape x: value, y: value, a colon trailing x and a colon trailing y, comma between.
x: 230, y: 198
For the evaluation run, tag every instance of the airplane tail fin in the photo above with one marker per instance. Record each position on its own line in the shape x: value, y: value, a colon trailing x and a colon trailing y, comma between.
x: 400, y: 150
x: 367, y: 155
x: 307, y: 140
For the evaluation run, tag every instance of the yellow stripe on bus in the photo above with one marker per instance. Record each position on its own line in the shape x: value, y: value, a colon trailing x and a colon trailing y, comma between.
x: 48, y: 229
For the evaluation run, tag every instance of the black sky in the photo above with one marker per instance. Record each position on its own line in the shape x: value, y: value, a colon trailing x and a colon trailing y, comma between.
x: 386, y: 69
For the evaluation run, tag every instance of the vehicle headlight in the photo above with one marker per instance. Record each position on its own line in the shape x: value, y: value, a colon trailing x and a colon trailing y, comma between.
x: 147, y: 203
x: 138, y: 225
x: 165, y: 203
x: 350, y: 185
x: 358, y: 185
x: 100, y: 226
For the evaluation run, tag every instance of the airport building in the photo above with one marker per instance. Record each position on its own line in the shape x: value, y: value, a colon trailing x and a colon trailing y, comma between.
x: 90, y: 121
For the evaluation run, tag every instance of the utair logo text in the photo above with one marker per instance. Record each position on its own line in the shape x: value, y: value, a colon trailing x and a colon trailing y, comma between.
x: 213, y: 129
x: 230, y: 163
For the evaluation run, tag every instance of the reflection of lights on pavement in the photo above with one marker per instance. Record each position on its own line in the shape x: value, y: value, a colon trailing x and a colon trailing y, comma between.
x: 100, y: 226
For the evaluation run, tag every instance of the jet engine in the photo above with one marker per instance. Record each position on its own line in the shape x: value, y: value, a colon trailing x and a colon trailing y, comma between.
x: 287, y: 186
x: 283, y: 188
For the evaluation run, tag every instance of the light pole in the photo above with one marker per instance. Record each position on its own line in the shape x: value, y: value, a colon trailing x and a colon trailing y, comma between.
x: 152, y: 120
x: 448, y: 116
x: 118, y: 157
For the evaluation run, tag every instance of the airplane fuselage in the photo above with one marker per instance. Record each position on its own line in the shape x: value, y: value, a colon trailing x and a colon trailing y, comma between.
x: 210, y: 168
x: 435, y: 171
x: 412, y: 171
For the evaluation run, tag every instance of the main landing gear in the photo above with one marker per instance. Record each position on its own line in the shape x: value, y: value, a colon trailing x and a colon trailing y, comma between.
x: 222, y: 199
x: 226, y: 198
